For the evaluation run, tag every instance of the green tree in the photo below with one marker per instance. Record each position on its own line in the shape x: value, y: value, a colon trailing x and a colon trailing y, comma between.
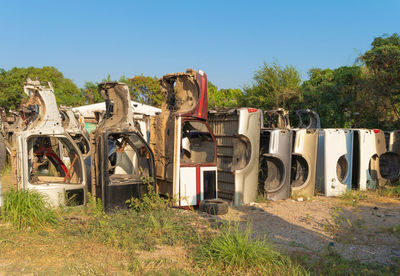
x: 273, y: 86
x: 334, y: 94
x: 12, y: 82
x: 91, y: 93
x: 223, y: 98
x: 145, y: 90
x: 383, y: 64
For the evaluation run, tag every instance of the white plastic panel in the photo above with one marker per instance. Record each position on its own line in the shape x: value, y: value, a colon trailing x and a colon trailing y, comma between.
x: 335, y: 147
x: 367, y: 150
x: 187, y: 186
x: 54, y: 195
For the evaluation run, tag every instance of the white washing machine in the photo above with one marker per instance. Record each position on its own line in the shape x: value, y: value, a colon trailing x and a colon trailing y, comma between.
x: 334, y: 165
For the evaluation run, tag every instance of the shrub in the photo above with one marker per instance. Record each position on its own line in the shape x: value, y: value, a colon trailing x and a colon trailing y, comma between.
x: 26, y: 208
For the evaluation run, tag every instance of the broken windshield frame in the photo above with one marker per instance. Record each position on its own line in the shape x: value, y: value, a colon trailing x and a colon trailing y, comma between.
x: 198, y: 145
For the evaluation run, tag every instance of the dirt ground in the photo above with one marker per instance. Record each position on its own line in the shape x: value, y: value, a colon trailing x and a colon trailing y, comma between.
x: 367, y: 230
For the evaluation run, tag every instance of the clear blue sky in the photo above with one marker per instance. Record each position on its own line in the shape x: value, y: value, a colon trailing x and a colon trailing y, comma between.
x: 229, y: 40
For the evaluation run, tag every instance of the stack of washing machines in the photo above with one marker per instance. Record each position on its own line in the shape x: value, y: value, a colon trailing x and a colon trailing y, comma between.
x: 296, y: 161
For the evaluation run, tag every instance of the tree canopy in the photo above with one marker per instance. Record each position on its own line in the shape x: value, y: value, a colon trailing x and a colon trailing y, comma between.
x: 366, y: 94
x: 12, y: 82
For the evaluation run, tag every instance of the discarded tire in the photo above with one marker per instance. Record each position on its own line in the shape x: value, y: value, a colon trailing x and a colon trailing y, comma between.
x: 214, y: 206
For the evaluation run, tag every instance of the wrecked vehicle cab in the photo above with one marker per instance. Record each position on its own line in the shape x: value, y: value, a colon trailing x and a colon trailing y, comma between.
x: 183, y: 143
x: 122, y: 164
x: 72, y: 122
x: 46, y: 157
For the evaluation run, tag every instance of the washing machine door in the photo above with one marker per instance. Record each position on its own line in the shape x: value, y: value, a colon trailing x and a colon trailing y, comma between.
x: 304, y: 161
x: 275, y: 163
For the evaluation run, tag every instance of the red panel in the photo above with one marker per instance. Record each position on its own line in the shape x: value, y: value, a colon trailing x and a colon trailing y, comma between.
x: 201, y: 109
x: 198, y: 190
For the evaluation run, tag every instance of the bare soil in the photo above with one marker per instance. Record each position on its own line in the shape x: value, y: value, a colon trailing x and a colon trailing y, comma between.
x: 364, y: 230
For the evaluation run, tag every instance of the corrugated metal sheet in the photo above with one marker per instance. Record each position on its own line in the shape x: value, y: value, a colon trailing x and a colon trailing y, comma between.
x: 225, y: 127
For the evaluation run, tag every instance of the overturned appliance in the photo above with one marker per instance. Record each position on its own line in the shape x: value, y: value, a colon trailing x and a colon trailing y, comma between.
x: 47, y: 158
x: 393, y: 150
x: 238, y: 143
x: 122, y: 163
x: 365, y: 154
x: 183, y: 144
x: 275, y: 155
x: 384, y: 165
x: 335, y: 157
x: 73, y: 123
x: 304, y: 154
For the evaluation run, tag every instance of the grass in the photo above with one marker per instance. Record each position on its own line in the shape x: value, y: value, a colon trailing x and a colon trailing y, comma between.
x: 151, y: 238
x: 236, y: 251
x: 26, y: 208
x: 150, y: 222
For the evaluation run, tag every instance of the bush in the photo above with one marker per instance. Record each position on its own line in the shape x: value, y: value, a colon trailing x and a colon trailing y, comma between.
x: 26, y: 208
x: 236, y: 251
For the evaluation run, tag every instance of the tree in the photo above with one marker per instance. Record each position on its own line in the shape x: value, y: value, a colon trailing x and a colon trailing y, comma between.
x: 145, y: 90
x: 334, y: 94
x: 91, y: 93
x: 383, y: 63
x: 12, y: 82
x: 223, y: 98
x: 273, y: 86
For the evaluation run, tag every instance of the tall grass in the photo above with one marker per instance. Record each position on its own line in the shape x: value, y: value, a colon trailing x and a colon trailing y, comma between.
x: 236, y: 251
x: 148, y: 223
x: 26, y: 208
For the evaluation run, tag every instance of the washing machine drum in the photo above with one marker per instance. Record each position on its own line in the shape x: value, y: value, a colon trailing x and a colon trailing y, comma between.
x: 389, y: 165
x: 300, y: 170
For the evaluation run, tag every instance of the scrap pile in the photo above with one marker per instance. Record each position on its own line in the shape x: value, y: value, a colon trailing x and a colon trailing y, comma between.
x: 184, y: 150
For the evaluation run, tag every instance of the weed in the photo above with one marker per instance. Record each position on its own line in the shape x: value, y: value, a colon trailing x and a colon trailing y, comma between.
x: 236, y: 251
x: 341, y: 226
x: 353, y: 197
x: 389, y: 191
x: 27, y: 208
x: 150, y: 201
